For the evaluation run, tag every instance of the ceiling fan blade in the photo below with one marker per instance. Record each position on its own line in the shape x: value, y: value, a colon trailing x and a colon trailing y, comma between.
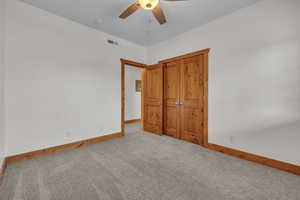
x: 131, y: 9
x: 159, y: 14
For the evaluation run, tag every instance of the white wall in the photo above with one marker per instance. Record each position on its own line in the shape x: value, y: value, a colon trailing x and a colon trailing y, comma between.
x: 2, y: 29
x: 254, y: 77
x: 62, y: 80
x: 132, y: 98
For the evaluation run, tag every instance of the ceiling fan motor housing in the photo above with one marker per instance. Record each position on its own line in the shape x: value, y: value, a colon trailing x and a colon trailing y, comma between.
x: 148, y: 4
x: 152, y: 5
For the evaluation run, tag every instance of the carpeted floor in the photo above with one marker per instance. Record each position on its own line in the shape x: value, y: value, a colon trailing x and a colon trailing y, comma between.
x: 143, y: 166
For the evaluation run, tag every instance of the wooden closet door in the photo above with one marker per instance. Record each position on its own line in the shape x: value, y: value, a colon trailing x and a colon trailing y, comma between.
x: 192, y: 99
x: 153, y: 99
x: 171, y: 99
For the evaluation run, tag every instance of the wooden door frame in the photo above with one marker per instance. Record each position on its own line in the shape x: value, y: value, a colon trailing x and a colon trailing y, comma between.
x: 130, y: 63
x: 205, y: 53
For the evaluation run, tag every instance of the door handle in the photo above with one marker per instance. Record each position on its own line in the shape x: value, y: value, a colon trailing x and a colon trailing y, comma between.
x: 177, y: 103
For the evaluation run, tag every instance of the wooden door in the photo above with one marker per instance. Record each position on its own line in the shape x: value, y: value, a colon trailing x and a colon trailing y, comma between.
x: 153, y: 99
x: 192, y: 99
x: 172, y: 99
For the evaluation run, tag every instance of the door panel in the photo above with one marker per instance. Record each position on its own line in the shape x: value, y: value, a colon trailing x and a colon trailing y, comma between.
x: 153, y: 117
x: 191, y: 119
x: 153, y: 99
x: 171, y: 99
x: 191, y: 99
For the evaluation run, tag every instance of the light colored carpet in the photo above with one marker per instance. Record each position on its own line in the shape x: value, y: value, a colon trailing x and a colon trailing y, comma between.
x: 143, y: 166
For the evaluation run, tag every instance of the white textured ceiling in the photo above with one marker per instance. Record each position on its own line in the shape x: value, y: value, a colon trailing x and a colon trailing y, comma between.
x: 141, y: 27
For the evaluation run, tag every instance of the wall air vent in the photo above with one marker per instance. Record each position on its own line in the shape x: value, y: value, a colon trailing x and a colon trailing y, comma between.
x: 112, y: 42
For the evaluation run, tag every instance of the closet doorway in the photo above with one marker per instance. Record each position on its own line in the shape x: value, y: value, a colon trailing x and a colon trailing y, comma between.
x: 186, y: 97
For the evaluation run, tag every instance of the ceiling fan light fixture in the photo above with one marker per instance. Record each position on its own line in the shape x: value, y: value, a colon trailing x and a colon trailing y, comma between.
x: 148, y: 4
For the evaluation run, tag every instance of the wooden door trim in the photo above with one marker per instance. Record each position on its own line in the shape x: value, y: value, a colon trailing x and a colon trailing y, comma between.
x: 196, y: 53
x: 205, y: 53
x: 205, y: 100
x: 131, y: 64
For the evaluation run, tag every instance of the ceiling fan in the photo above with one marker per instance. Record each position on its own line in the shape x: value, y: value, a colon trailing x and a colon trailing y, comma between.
x: 147, y: 5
